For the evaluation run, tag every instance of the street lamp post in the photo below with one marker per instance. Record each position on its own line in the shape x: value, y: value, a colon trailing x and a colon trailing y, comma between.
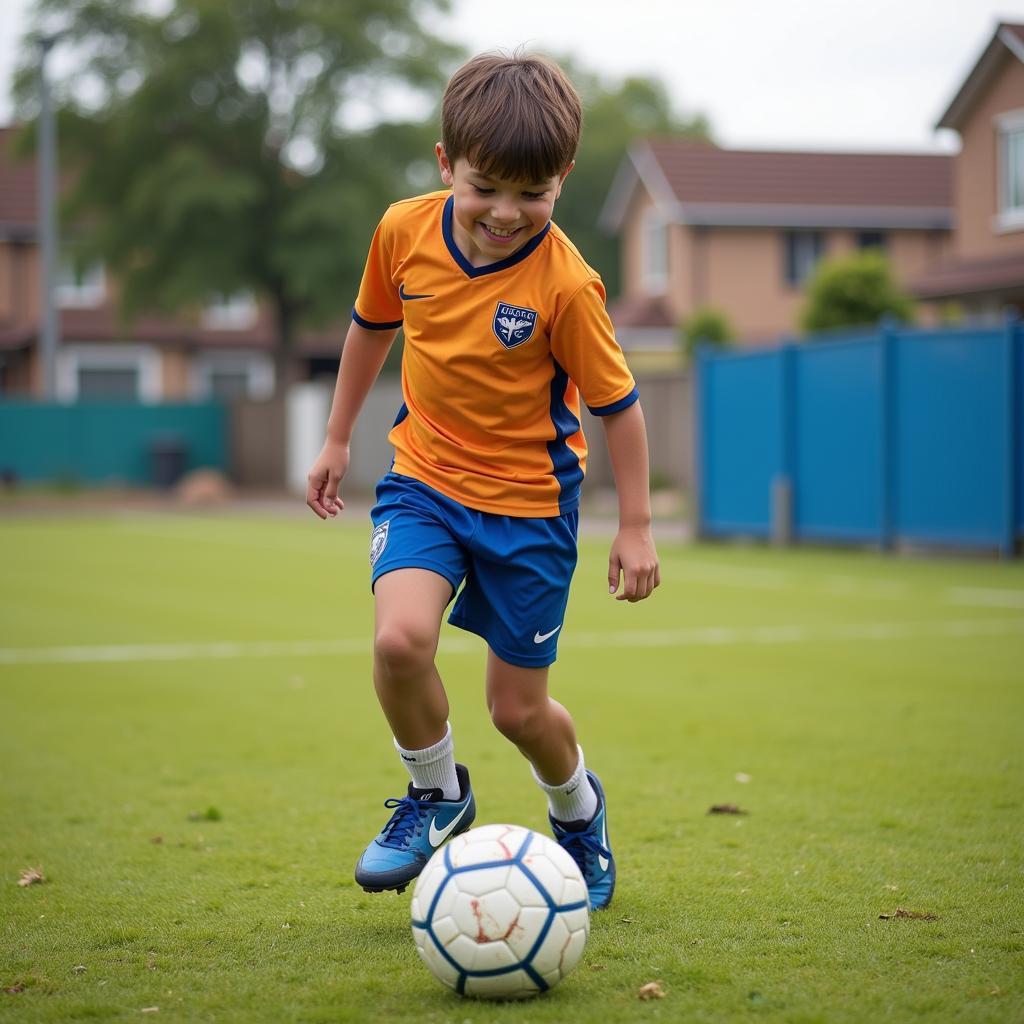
x: 49, y: 335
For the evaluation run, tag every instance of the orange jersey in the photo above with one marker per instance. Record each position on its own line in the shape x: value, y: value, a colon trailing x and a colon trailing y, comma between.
x: 495, y: 360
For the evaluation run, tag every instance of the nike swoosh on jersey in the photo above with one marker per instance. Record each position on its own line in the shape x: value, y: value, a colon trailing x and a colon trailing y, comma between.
x: 539, y: 637
x: 402, y: 294
x: 603, y: 861
x: 438, y: 835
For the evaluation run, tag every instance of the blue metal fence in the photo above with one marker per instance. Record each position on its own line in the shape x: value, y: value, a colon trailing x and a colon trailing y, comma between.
x: 109, y: 442
x: 896, y: 437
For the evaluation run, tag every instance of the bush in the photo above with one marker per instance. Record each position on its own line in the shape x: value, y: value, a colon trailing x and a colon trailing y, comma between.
x: 706, y: 326
x: 854, y: 290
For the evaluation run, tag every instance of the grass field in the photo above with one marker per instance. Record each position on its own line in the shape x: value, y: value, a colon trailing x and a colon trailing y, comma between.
x: 193, y: 755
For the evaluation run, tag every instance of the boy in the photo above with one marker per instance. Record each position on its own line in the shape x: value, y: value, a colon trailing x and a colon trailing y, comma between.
x: 503, y: 321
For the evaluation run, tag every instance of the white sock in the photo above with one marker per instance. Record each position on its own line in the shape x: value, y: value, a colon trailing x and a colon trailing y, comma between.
x: 433, y: 767
x: 575, y: 799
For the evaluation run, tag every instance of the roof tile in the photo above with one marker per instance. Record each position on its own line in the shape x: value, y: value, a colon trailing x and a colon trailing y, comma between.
x: 699, y: 172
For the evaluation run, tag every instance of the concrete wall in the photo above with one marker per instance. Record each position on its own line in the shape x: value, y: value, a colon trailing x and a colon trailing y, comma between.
x: 668, y: 413
x: 257, y: 443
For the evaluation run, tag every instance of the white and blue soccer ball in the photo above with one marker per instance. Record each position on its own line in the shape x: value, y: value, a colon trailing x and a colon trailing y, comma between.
x: 500, y: 912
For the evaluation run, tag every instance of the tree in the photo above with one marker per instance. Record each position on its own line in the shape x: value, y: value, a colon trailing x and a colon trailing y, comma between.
x: 213, y: 146
x: 854, y: 290
x: 614, y: 115
x: 706, y: 326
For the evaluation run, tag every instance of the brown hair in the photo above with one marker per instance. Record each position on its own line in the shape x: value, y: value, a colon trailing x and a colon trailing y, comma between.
x: 514, y: 116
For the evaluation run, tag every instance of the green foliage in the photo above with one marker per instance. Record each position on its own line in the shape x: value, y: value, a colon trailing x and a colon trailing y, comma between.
x: 852, y: 291
x: 706, y: 326
x: 951, y: 313
x: 615, y: 113
x: 214, y: 148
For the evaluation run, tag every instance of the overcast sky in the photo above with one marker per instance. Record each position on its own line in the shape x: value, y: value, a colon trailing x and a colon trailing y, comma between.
x: 788, y: 74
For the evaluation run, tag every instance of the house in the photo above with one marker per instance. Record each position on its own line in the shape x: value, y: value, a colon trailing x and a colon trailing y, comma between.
x: 984, y: 268
x: 222, y: 351
x: 742, y: 230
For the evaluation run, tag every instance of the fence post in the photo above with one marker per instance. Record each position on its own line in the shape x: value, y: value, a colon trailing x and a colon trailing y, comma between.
x: 1013, y: 441
x: 784, y: 483
x: 890, y: 397
x: 698, y: 397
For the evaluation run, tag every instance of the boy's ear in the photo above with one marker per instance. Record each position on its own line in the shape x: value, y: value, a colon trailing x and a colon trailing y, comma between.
x: 562, y: 177
x: 444, y: 165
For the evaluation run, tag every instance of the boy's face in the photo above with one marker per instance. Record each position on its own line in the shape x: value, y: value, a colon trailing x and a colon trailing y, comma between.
x: 493, y: 218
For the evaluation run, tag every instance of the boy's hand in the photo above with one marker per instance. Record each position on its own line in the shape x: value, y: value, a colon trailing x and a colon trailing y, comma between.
x: 634, y: 557
x: 324, y: 478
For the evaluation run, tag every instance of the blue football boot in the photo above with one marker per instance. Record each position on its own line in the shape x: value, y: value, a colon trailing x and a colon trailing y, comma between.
x: 421, y: 822
x: 587, y: 844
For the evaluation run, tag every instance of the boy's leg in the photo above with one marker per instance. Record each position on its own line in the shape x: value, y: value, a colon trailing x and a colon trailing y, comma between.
x: 409, y: 604
x: 522, y: 711
x: 539, y: 726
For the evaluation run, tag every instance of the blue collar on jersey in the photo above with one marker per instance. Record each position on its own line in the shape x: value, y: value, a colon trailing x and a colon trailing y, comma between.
x: 490, y: 268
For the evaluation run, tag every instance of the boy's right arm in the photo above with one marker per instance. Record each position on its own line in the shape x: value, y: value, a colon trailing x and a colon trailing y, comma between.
x: 361, y: 361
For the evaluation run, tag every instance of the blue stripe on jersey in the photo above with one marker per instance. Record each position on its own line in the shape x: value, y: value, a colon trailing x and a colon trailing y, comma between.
x: 371, y: 326
x: 402, y: 413
x: 622, y: 403
x: 467, y: 268
x: 564, y: 461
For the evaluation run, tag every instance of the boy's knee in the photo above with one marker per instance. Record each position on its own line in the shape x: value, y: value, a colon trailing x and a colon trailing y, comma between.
x: 402, y: 650
x: 515, y: 720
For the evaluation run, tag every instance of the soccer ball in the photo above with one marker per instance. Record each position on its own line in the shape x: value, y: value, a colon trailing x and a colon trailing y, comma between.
x: 500, y: 912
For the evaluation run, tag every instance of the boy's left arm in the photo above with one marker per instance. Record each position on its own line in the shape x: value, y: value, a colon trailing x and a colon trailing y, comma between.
x: 633, y: 556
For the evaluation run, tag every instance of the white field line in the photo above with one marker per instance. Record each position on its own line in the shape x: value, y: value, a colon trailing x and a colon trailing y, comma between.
x: 699, y: 636
x: 986, y: 597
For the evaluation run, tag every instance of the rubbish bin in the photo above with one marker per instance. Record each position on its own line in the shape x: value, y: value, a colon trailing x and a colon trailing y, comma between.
x: 168, y: 455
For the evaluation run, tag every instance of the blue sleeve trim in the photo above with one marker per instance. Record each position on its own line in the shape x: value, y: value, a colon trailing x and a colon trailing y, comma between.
x: 371, y: 326
x: 622, y: 403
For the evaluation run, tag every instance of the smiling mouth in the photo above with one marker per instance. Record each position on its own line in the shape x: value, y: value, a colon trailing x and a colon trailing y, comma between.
x: 499, y: 234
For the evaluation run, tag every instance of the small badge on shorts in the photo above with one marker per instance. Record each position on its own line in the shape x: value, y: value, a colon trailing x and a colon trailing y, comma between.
x: 378, y: 542
x: 513, y: 325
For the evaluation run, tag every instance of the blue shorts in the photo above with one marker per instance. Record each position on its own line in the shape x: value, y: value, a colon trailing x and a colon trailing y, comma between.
x: 516, y: 572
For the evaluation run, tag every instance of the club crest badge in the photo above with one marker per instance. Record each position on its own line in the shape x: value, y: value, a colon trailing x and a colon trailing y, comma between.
x: 513, y: 325
x: 379, y: 541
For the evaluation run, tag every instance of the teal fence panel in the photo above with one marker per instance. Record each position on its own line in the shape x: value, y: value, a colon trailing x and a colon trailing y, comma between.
x: 899, y: 437
x: 110, y: 442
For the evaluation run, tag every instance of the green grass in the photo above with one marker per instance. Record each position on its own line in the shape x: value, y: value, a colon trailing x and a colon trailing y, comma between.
x: 875, y: 704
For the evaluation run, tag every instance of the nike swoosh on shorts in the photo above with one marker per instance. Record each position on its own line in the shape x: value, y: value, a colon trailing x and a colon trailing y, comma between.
x: 539, y: 637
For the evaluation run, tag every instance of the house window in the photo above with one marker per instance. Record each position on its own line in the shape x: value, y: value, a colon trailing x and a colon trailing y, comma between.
x: 655, y: 253
x: 113, y: 383
x: 1010, y: 131
x: 229, y: 375
x: 803, y: 251
x: 871, y: 240
x: 235, y: 312
x: 1013, y: 170
x: 79, y: 285
x: 125, y: 373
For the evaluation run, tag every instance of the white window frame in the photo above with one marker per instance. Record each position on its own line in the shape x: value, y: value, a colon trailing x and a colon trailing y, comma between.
x: 87, y: 291
x: 257, y: 366
x: 235, y: 312
x: 1007, y: 218
x: 144, y: 359
x: 655, y: 278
